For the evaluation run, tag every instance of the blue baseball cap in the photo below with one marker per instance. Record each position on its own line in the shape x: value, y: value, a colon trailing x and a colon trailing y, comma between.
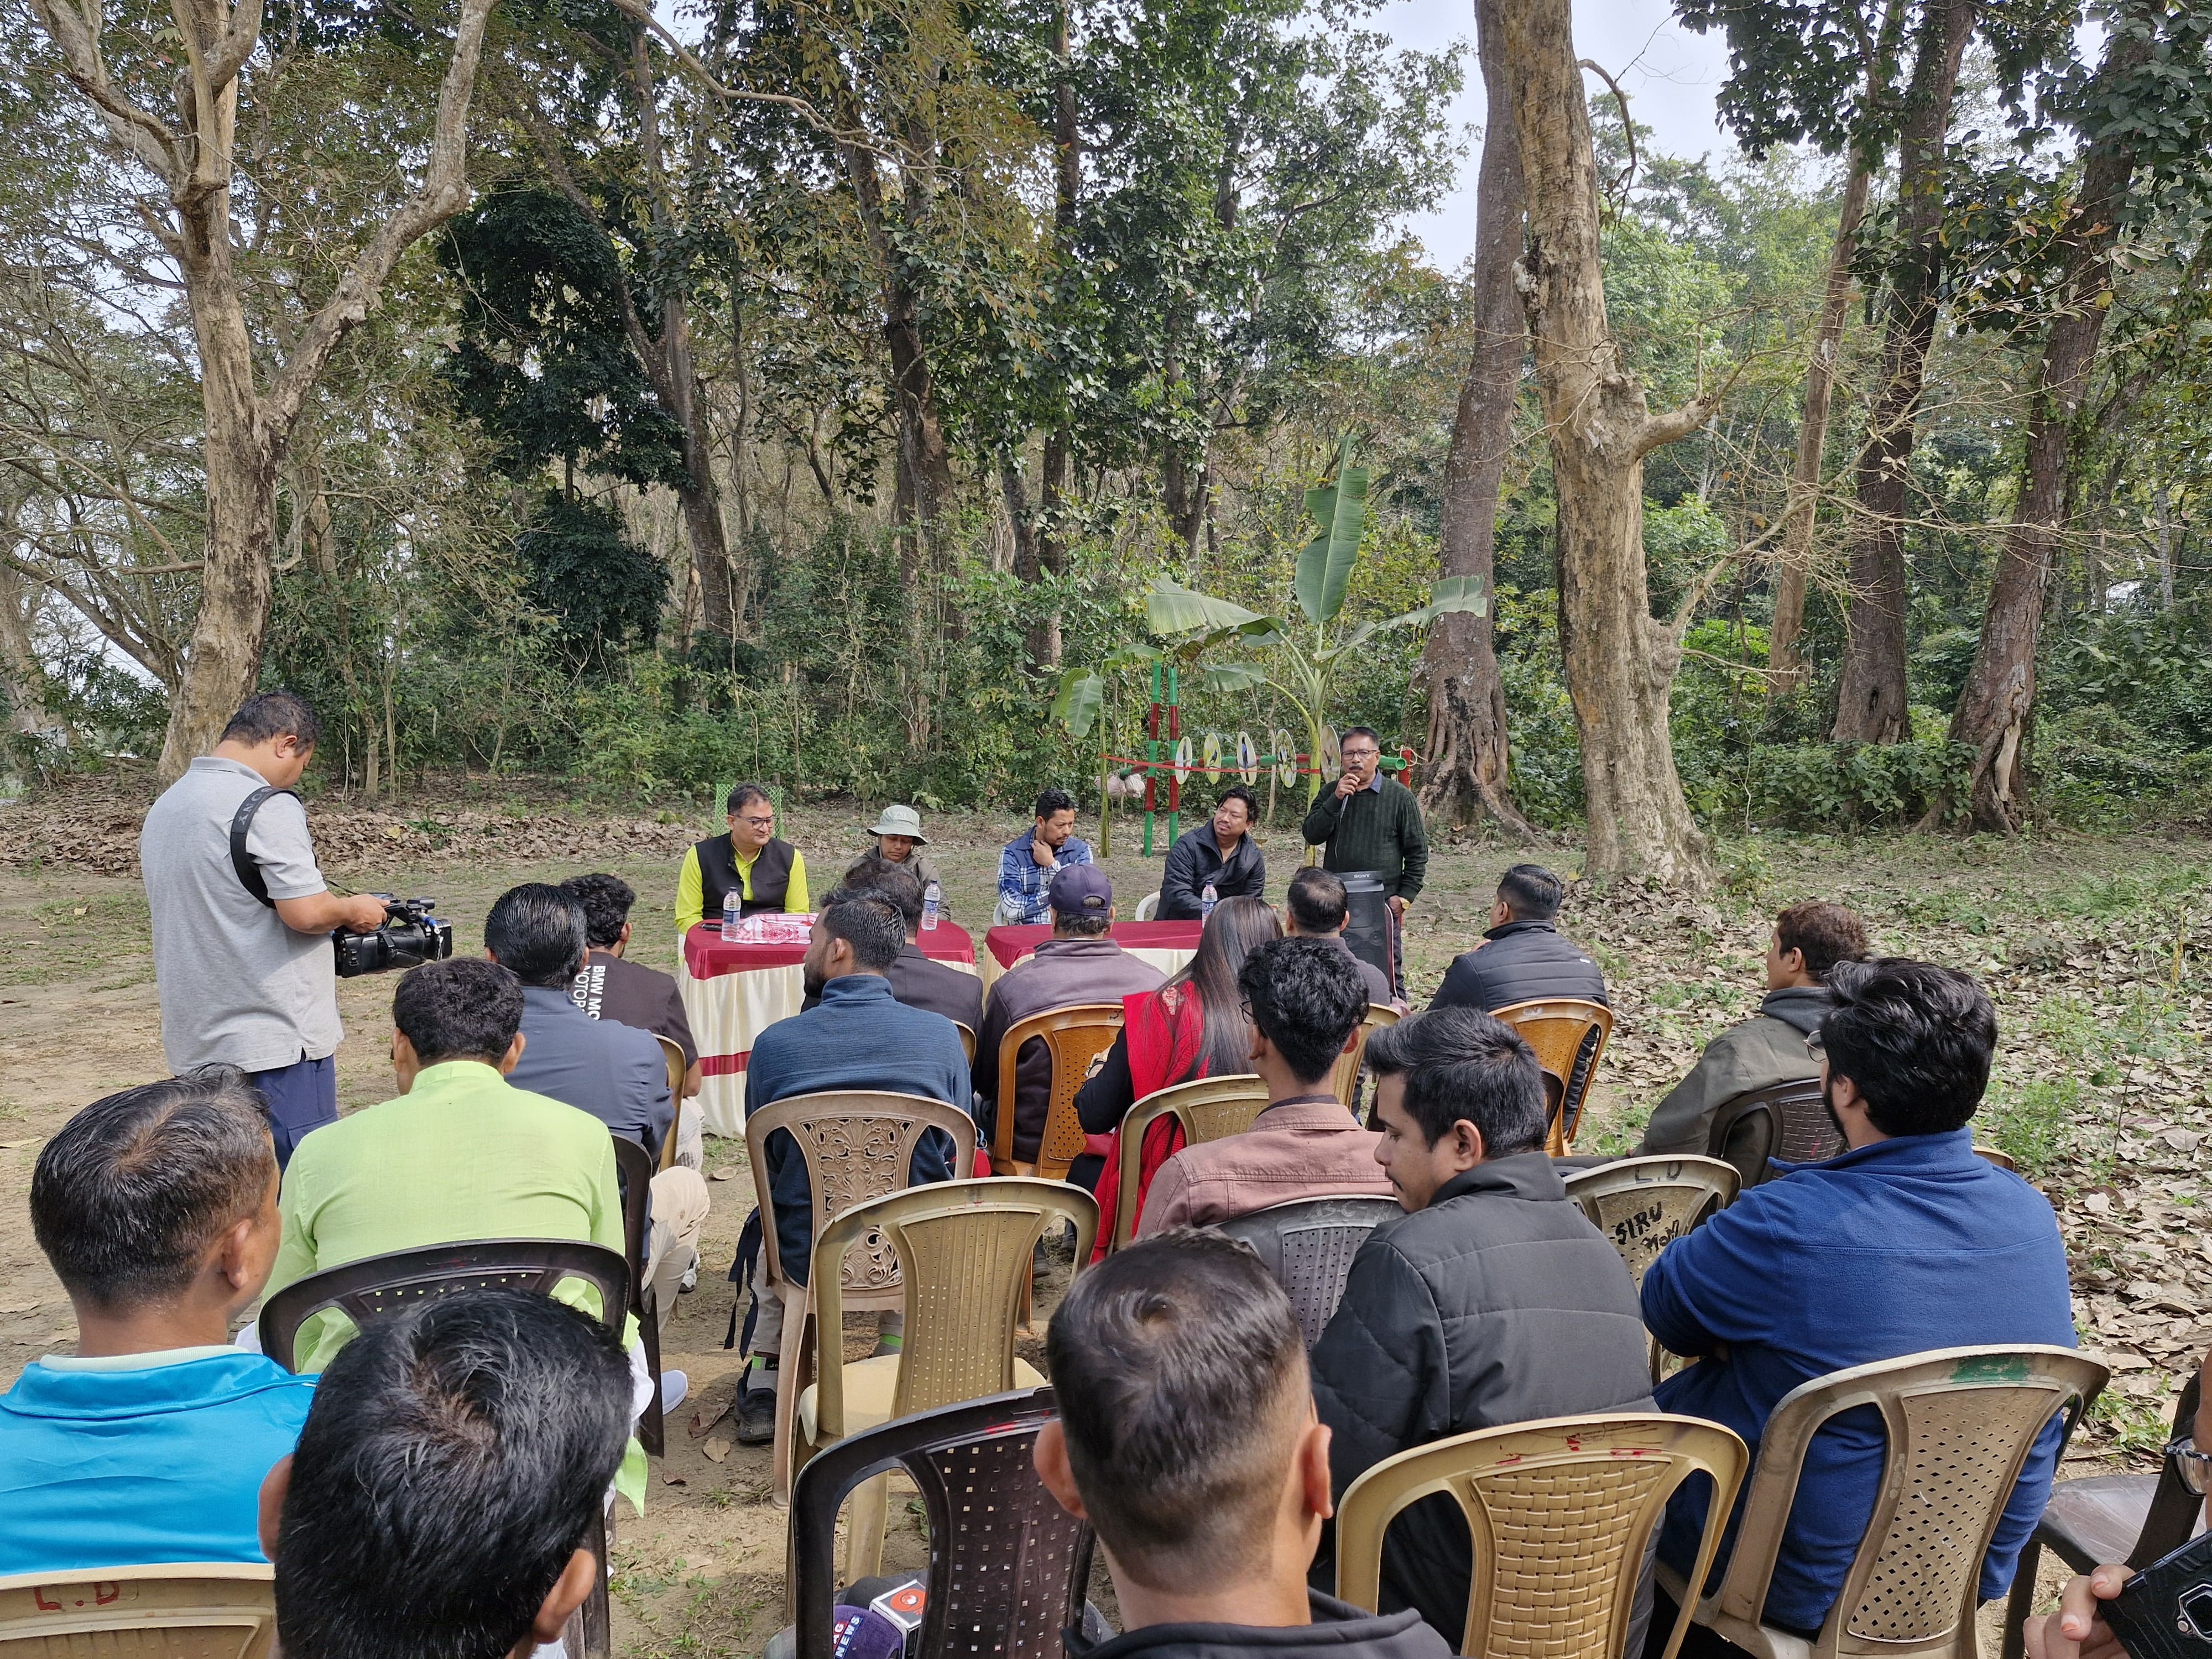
x: 1081, y: 890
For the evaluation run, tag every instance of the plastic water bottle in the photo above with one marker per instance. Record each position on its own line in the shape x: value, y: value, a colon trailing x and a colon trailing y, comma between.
x: 730, y: 908
x: 933, y: 900
x: 1207, y: 901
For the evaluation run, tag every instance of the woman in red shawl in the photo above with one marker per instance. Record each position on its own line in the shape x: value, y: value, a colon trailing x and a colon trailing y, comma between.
x: 1193, y: 1026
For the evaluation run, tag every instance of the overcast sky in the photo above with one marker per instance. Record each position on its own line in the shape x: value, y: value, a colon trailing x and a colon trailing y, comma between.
x: 1669, y: 75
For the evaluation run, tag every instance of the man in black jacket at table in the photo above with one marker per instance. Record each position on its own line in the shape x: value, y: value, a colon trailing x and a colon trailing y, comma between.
x: 1220, y: 854
x: 1523, y: 956
x: 916, y: 980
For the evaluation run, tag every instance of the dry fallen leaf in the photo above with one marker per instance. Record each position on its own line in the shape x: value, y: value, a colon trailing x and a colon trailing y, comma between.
x: 724, y: 1173
x: 672, y: 1479
x: 11, y: 1146
x: 716, y: 1449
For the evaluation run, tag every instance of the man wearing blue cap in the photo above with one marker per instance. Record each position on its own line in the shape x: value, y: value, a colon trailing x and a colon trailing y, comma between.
x: 1079, y: 963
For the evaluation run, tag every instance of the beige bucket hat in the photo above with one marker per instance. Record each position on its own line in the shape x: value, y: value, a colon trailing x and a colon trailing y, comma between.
x: 900, y: 821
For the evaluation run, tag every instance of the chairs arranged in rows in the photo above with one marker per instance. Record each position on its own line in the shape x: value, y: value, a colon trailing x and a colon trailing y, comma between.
x: 1207, y: 1107
x: 1075, y: 1037
x: 1344, y: 1081
x: 1568, y: 1036
x: 1306, y: 1245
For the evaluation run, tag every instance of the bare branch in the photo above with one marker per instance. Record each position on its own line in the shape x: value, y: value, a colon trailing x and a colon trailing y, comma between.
x: 1627, y: 126
x: 144, y: 137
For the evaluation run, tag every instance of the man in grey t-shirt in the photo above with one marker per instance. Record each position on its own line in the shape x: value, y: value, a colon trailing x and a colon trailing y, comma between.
x: 244, y: 983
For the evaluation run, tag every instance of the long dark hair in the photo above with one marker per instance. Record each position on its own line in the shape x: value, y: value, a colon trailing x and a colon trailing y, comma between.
x: 1237, y: 928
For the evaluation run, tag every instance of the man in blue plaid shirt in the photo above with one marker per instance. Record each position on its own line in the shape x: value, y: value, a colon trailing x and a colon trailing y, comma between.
x: 1026, y: 862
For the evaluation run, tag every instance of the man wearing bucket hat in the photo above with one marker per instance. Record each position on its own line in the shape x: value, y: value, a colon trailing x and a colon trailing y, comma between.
x: 899, y: 842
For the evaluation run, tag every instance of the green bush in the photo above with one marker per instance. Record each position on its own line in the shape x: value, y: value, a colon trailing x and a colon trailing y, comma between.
x: 1819, y: 787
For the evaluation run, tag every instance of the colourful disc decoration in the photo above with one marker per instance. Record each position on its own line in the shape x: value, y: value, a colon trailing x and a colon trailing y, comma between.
x: 1286, y: 757
x: 1212, y: 752
x: 1248, y: 758
x: 1331, y: 755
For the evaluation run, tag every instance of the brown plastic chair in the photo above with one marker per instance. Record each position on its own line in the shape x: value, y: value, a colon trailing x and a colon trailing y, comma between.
x: 1958, y: 1423
x: 635, y: 1165
x: 962, y: 1251
x: 1568, y: 1035
x: 1208, y: 1108
x: 1644, y: 1204
x: 1786, y: 1121
x: 1076, y: 1037
x: 1344, y: 1081
x: 1562, y: 1513
x: 1308, y: 1244
x: 211, y: 1610
x: 858, y: 1145
x: 672, y: 1051
x: 967, y: 1041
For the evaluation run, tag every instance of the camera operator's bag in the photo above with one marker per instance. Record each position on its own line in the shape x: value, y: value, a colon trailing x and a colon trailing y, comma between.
x: 241, y: 861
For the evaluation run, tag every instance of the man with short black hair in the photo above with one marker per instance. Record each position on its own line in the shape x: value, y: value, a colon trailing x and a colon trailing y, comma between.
x: 242, y: 957
x: 1219, y: 853
x: 612, y: 987
x: 441, y: 1502
x: 157, y: 1209
x: 1315, y: 906
x: 916, y: 980
x: 1492, y: 1300
x: 768, y: 873
x: 1524, y: 956
x: 1186, y: 1437
x: 1906, y: 1241
x: 1306, y: 1004
x: 1028, y: 862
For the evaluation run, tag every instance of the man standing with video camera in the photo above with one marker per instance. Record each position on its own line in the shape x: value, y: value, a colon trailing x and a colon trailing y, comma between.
x: 242, y: 955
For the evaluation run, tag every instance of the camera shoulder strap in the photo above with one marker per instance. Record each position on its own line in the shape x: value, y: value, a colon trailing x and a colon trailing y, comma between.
x: 241, y: 861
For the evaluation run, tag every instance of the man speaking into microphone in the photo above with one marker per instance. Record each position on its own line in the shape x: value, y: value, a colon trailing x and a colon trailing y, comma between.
x: 1371, y: 822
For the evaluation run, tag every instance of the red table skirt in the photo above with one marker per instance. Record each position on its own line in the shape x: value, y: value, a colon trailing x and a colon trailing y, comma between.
x: 706, y: 955
x: 1008, y: 945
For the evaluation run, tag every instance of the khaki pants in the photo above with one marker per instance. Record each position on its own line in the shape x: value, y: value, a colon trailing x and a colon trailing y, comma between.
x: 767, y: 1333
x: 680, y: 1204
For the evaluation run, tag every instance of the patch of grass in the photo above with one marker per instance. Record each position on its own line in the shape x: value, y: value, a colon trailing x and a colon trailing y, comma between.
x: 2035, y: 1126
x: 2137, y: 1427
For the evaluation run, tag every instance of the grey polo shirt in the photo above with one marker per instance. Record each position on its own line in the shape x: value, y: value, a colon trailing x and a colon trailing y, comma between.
x: 237, y: 985
x: 614, y: 1071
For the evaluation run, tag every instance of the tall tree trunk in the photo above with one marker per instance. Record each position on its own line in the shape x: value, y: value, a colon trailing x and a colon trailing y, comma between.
x: 1793, y: 562
x: 1467, y: 749
x: 1621, y: 659
x: 1871, y: 700
x: 1043, y: 643
x: 1994, y: 708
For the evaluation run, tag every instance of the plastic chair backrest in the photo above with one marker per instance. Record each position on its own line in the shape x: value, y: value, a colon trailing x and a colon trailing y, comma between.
x: 380, y: 1285
x: 2002, y: 1160
x: 635, y: 1166
x: 964, y: 1250
x: 1561, y: 1512
x: 1075, y: 1036
x: 1644, y: 1204
x: 1345, y: 1078
x: 672, y: 1051
x: 1560, y: 1030
x: 213, y: 1610
x: 1959, y: 1424
x: 1208, y: 1108
x: 1796, y: 1128
x: 1007, y: 1565
x: 1149, y: 906
x: 967, y: 1041
x: 858, y: 1145
x: 1308, y: 1245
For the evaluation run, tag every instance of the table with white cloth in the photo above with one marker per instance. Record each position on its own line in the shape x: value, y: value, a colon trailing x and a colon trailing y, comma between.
x: 733, y: 990
x: 1166, y: 944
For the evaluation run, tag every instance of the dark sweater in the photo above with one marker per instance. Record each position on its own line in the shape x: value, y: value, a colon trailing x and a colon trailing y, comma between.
x: 1339, y: 1630
x: 1379, y: 829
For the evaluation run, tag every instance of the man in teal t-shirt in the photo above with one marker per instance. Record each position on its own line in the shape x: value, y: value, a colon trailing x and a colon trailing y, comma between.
x: 157, y: 1207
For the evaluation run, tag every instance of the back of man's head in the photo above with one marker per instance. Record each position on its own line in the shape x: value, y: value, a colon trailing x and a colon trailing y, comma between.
x: 874, y: 873
x: 1823, y: 934
x: 1307, y: 998
x: 1317, y: 900
x: 1181, y: 1378
x: 462, y: 1008
x: 450, y: 1467
x: 1915, y: 1039
x: 1531, y: 892
x: 606, y: 901
x: 1460, y: 1063
x: 867, y: 920
x: 536, y: 932
x: 129, y: 1195
x: 267, y: 714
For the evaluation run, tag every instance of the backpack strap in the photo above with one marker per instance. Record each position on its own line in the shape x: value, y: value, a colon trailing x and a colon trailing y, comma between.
x: 241, y: 861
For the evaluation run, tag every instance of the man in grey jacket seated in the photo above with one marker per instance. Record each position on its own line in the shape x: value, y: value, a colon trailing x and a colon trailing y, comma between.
x: 1768, y: 1048
x: 1492, y: 1301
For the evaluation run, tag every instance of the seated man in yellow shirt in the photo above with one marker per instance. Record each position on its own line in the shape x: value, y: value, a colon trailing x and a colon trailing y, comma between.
x: 769, y: 873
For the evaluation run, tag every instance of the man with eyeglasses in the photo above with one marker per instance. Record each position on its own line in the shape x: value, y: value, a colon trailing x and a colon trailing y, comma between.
x: 767, y: 873
x: 1368, y: 822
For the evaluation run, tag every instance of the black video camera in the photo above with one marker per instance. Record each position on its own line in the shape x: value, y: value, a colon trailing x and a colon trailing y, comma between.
x: 410, y: 936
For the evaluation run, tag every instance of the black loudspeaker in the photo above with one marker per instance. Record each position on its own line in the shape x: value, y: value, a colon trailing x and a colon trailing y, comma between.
x: 1369, y: 935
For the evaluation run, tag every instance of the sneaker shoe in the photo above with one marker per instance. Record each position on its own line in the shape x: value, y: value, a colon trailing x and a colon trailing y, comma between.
x: 757, y: 1417
x: 689, y: 1282
x: 674, y: 1385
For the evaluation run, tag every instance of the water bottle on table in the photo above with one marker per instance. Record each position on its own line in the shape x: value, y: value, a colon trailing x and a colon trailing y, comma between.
x: 1207, y: 901
x: 730, y: 908
x: 933, y: 901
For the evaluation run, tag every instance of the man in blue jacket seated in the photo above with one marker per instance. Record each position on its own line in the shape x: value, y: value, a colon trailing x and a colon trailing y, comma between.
x: 1906, y: 1242
x: 157, y: 1207
x: 859, y: 1036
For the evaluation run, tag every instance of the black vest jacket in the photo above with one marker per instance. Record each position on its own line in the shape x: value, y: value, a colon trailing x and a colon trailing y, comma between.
x: 718, y: 874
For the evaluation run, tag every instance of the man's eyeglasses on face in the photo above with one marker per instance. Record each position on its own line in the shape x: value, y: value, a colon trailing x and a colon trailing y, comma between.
x: 1360, y: 756
x: 760, y: 824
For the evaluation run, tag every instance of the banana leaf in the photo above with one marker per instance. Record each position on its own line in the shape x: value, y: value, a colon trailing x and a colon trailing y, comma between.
x: 1325, y: 566
x: 1081, y: 695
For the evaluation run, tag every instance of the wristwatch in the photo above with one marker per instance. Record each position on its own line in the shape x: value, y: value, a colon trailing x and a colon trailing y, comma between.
x: 2194, y: 1467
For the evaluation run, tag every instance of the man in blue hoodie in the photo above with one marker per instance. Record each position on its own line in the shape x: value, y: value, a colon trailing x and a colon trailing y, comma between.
x: 1904, y: 1243
x: 157, y: 1207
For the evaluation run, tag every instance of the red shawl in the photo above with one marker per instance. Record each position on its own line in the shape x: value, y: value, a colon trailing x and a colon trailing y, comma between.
x: 1166, y: 1032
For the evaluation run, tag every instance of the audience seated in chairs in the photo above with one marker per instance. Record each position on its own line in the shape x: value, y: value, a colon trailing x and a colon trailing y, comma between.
x: 1493, y: 1302
x: 1306, y: 1003
x: 1906, y: 1242
x: 443, y: 1497
x: 1193, y: 1026
x: 1315, y: 906
x: 936, y: 986
x: 858, y: 1038
x: 157, y: 1207
x: 1186, y: 1438
x: 1523, y: 956
x: 460, y: 1154
x: 612, y: 987
x: 1079, y: 963
x: 1769, y: 1047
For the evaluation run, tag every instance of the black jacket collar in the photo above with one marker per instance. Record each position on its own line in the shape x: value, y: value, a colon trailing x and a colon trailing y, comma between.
x: 1513, y: 928
x: 1530, y: 1176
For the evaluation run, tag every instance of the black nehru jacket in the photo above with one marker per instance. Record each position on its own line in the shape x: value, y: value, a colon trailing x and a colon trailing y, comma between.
x: 718, y: 874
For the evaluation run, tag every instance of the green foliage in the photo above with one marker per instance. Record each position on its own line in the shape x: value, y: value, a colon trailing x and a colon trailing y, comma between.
x: 1854, y: 787
x: 580, y: 566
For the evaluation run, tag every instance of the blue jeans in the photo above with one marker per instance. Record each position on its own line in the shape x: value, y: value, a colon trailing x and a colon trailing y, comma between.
x: 302, y: 1097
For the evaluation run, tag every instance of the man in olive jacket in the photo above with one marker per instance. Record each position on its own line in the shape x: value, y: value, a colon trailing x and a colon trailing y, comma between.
x: 1493, y: 1302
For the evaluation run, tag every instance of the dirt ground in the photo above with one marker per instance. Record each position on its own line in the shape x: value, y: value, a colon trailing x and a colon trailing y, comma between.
x: 2095, y: 951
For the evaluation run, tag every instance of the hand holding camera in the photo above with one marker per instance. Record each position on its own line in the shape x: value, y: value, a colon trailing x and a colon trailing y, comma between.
x: 405, y: 933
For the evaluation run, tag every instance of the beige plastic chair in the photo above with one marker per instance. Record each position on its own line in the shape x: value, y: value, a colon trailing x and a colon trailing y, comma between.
x: 967, y: 1041
x: 1960, y: 1423
x: 1076, y: 1037
x: 1558, y: 1029
x: 1643, y: 1204
x: 858, y: 1146
x: 965, y: 1249
x: 1562, y: 1512
x: 2002, y: 1160
x: 672, y: 1051
x: 214, y: 1610
x: 1345, y: 1078
x: 1208, y: 1108
x: 1148, y: 907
